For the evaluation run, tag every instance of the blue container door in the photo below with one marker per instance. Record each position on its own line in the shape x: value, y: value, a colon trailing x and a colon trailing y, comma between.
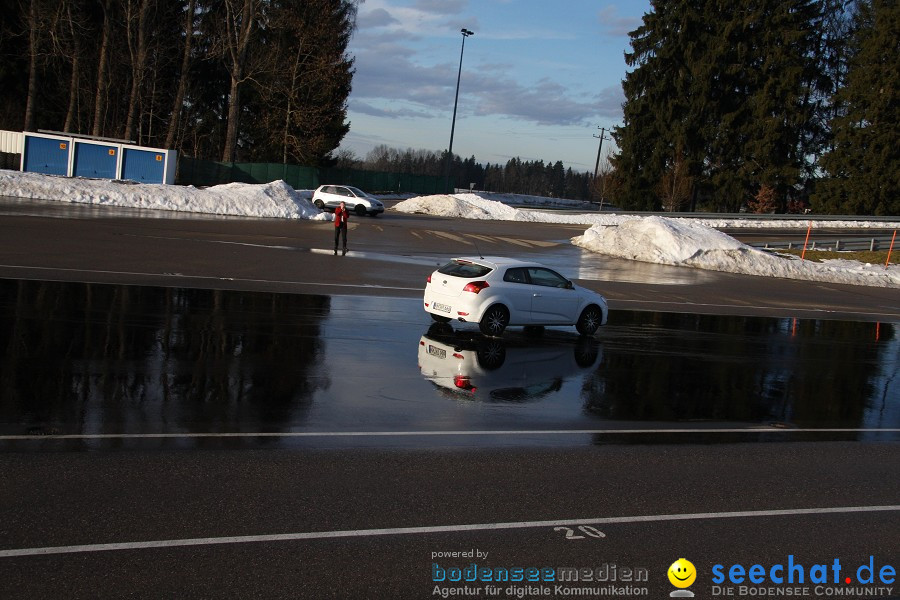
x: 94, y: 160
x: 143, y: 165
x: 46, y: 155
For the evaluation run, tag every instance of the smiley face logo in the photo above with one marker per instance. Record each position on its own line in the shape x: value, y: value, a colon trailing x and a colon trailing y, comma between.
x: 682, y: 573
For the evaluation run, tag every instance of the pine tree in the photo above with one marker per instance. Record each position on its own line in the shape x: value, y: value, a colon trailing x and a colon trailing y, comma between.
x: 299, y: 107
x: 721, y: 91
x: 864, y: 165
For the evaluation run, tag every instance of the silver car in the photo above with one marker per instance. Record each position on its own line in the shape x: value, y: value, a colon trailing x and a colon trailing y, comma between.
x: 329, y: 197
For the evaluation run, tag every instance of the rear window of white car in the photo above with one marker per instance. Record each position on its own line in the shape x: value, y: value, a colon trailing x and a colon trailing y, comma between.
x: 465, y: 269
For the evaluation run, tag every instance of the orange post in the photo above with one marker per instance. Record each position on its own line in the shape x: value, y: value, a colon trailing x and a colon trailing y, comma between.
x: 803, y: 254
x: 888, y: 261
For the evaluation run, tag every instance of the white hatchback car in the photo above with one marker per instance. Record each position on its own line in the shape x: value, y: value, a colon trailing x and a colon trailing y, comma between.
x: 496, y: 292
x: 330, y: 197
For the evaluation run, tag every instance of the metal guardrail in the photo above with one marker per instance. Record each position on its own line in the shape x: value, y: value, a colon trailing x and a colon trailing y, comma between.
x: 786, y: 217
x: 832, y: 245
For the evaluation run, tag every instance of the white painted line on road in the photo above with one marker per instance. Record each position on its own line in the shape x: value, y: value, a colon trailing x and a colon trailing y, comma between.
x: 210, y: 278
x: 614, y: 305
x: 319, y: 535
x: 467, y: 432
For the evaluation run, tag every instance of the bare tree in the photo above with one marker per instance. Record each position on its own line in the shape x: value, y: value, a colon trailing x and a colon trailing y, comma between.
x: 74, y: 30
x: 35, y: 24
x: 178, y: 101
x: 602, y: 186
x: 102, y: 89
x: 136, y: 29
x: 676, y: 185
x: 241, y: 21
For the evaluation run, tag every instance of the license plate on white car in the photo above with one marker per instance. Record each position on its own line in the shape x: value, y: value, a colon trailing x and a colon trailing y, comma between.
x: 441, y: 307
x: 439, y: 352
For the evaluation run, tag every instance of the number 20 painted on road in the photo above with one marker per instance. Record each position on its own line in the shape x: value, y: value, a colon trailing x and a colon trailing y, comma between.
x: 586, y: 529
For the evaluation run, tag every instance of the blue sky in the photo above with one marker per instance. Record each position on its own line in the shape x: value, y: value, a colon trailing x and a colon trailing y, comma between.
x: 538, y: 77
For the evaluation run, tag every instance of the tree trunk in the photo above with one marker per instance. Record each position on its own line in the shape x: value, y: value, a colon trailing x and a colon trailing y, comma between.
x: 138, y: 60
x: 239, y: 32
x: 102, y: 72
x: 234, y: 107
x: 178, y: 102
x: 31, y: 97
x: 76, y: 73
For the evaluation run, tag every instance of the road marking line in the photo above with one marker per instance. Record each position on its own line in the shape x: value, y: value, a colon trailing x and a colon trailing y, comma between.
x: 301, y: 434
x: 515, y: 242
x: 319, y: 535
x: 614, y: 302
x: 450, y: 236
x: 206, y: 277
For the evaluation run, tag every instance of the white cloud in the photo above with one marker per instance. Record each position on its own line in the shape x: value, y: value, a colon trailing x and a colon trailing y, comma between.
x: 615, y: 25
x: 375, y: 18
x: 441, y: 7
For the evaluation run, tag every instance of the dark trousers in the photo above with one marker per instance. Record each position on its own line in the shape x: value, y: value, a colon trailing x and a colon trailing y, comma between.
x: 340, y: 232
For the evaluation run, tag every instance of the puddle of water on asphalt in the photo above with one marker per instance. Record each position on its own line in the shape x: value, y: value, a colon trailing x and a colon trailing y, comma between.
x: 89, y: 359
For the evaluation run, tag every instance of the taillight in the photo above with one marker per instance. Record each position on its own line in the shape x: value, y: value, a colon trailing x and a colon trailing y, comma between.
x: 476, y: 286
x: 429, y: 279
x: 464, y: 383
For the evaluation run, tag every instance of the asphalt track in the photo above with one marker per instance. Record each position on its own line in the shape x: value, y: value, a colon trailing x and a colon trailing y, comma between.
x: 389, y: 256
x: 367, y: 522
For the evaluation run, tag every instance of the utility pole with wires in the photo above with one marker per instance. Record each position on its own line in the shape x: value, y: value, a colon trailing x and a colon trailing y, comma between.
x: 602, y: 137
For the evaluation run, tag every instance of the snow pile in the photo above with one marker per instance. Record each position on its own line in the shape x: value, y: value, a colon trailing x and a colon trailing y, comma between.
x: 681, y: 242
x: 519, y: 200
x: 476, y: 206
x: 272, y: 200
x: 481, y: 206
x: 465, y: 206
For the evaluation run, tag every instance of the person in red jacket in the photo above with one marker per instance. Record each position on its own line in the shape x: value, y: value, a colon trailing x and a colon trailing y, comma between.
x: 341, y: 215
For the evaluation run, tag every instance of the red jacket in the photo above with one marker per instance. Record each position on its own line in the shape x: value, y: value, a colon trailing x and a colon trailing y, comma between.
x: 341, y: 217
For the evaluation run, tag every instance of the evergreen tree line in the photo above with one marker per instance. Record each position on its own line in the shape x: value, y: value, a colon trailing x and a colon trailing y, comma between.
x: 772, y: 104
x: 236, y: 80
x: 535, y: 178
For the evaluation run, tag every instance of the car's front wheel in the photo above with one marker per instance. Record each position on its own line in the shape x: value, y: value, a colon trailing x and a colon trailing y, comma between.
x: 360, y: 210
x: 494, y: 321
x: 590, y: 320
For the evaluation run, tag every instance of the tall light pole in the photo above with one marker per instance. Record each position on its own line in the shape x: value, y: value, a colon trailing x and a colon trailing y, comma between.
x: 465, y: 33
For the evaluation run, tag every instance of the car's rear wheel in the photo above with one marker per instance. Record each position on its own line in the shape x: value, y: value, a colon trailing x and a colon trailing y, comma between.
x: 360, y: 210
x: 319, y: 204
x: 589, y: 321
x: 440, y: 318
x: 494, y: 321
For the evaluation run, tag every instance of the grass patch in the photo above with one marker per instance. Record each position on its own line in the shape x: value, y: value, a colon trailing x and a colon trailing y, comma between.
x: 864, y: 256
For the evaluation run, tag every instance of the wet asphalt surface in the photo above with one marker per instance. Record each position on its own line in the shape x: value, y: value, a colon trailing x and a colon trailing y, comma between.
x: 243, y: 418
x: 96, y: 365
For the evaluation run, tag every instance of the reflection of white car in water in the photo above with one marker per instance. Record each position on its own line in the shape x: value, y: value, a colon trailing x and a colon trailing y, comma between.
x: 516, y: 369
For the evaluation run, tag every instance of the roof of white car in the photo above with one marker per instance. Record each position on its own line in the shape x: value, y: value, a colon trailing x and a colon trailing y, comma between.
x: 498, y: 261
